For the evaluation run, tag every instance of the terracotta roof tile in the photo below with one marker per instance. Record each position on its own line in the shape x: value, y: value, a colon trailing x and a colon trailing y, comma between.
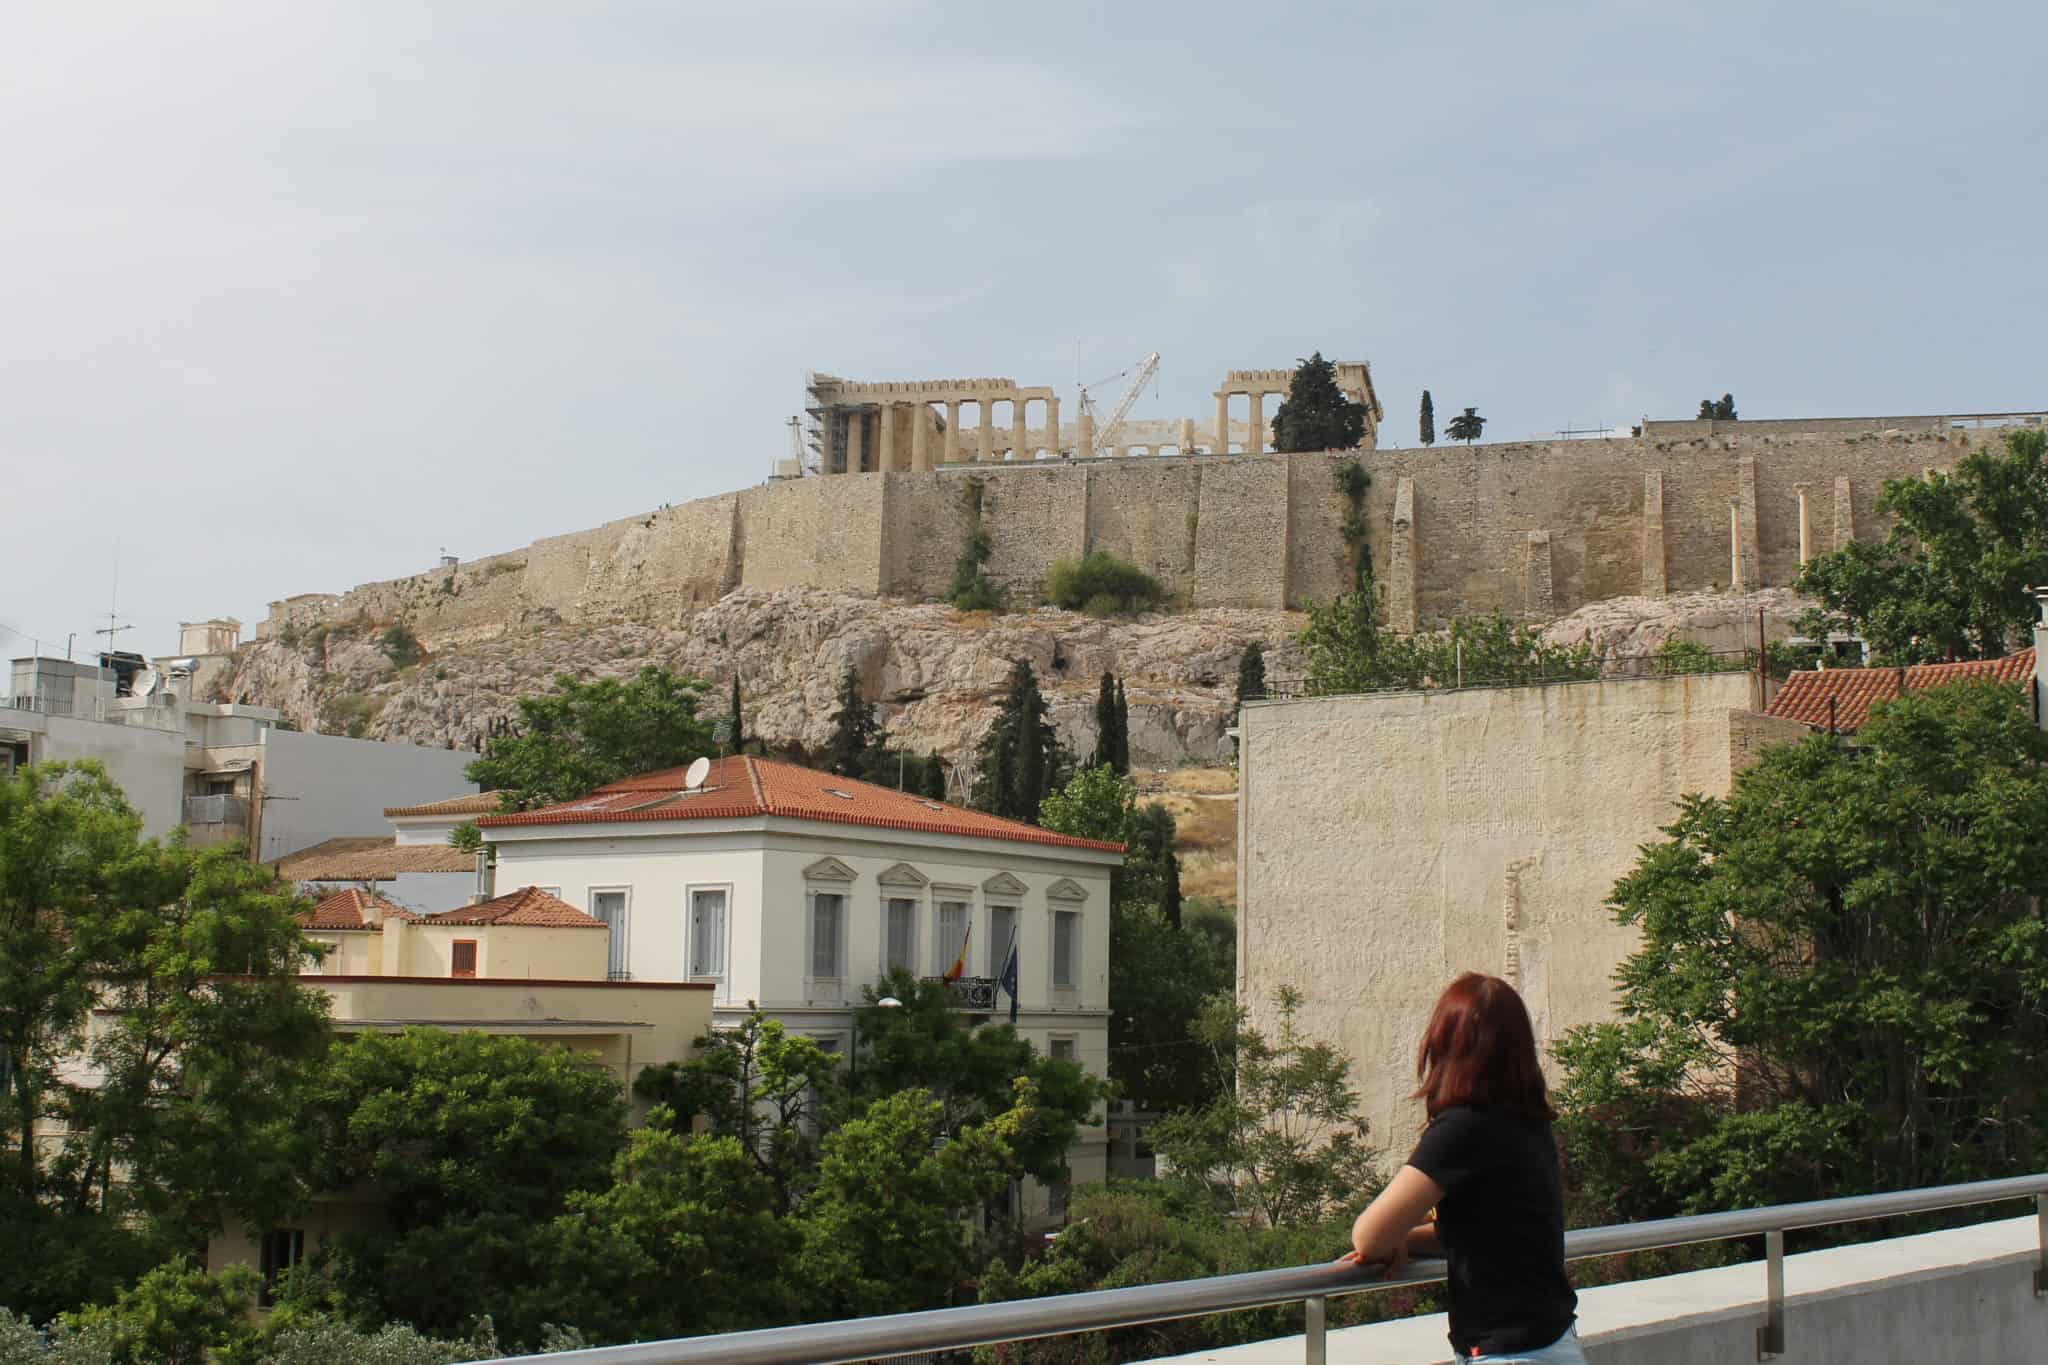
x: 483, y: 803
x: 528, y: 905
x: 739, y: 787
x: 353, y: 909
x: 1805, y: 696
x: 376, y: 858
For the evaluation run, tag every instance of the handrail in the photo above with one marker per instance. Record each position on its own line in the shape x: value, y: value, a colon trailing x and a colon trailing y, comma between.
x: 862, y: 1339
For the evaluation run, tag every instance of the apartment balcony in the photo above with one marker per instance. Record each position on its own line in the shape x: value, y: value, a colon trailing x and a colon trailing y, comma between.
x: 216, y: 819
x: 973, y: 994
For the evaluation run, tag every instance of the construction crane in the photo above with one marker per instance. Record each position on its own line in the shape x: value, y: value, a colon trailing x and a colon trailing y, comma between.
x: 1106, y: 432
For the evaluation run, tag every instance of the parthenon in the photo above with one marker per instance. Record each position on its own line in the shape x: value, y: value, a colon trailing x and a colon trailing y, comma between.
x: 915, y: 425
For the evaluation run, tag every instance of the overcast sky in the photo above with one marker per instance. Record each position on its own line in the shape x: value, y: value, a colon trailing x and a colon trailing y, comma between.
x: 292, y: 296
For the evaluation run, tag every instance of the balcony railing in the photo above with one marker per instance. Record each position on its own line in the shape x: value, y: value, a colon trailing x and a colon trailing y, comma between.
x: 976, y: 994
x: 954, y: 1329
x: 216, y: 810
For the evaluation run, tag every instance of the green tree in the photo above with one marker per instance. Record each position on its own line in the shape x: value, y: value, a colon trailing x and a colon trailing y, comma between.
x: 934, y: 778
x: 401, y: 646
x: 1105, y: 723
x: 1840, y: 981
x: 1282, y: 1140
x: 1721, y: 411
x: 1123, y: 728
x: 1348, y: 650
x: 737, y: 718
x: 583, y: 735
x: 856, y: 735
x: 1425, y: 425
x: 476, y: 1143
x: 1316, y: 415
x: 1152, y: 867
x: 1020, y: 758
x: 1160, y: 976
x: 1950, y: 580
x: 1251, y: 673
x: 971, y: 588
x: 1466, y: 426
x: 178, y: 1314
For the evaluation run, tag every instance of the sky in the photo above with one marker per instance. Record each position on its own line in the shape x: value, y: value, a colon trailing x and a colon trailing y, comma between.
x: 292, y: 297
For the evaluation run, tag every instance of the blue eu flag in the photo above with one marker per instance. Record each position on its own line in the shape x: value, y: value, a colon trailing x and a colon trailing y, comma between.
x: 1008, y: 980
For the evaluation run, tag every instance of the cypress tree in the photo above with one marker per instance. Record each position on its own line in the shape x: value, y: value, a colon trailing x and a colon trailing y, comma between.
x: 1427, y: 424
x: 1169, y: 894
x: 1251, y: 673
x: 934, y: 777
x: 1105, y: 723
x: 739, y: 731
x: 1020, y: 758
x: 1123, y: 730
x: 854, y: 731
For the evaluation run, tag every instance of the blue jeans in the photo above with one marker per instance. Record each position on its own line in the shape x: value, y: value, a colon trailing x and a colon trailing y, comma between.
x: 1564, y: 1351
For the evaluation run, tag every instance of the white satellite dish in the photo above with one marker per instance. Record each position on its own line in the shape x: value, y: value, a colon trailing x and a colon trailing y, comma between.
x: 144, y: 683
x: 699, y: 770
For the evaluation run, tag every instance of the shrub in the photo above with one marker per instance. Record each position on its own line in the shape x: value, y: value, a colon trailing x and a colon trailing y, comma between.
x: 1102, y: 585
x: 971, y: 589
x: 349, y: 714
x: 400, y: 646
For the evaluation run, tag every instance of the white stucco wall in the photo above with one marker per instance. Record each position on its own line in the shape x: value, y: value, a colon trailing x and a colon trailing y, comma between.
x: 148, y: 764
x: 1391, y: 842
x: 319, y: 787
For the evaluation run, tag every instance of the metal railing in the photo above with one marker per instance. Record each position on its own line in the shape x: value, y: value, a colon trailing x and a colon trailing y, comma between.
x: 952, y: 1329
x: 1596, y: 667
x: 216, y: 810
x: 972, y: 993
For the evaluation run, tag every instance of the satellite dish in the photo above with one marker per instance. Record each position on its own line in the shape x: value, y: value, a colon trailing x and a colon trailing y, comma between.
x: 699, y: 770
x: 145, y: 682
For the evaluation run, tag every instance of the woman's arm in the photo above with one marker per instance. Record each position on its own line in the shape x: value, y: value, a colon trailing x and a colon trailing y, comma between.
x: 1387, y: 1232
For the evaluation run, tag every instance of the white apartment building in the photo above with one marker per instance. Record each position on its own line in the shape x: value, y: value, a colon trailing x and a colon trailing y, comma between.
x: 795, y: 889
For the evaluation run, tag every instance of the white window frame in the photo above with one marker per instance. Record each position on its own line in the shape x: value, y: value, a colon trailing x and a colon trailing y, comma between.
x: 620, y: 946
x: 724, y: 972
x: 918, y: 901
x: 1053, y: 1040
x: 1052, y: 941
x: 943, y: 896
x: 844, y: 891
x: 999, y: 945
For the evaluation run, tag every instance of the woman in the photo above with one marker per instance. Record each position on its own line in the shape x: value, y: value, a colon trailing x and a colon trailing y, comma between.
x: 1488, y: 1165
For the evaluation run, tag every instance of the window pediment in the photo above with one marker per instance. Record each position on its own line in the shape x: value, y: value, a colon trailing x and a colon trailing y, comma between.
x: 903, y: 874
x: 829, y: 869
x: 1066, y: 889
x: 1003, y: 884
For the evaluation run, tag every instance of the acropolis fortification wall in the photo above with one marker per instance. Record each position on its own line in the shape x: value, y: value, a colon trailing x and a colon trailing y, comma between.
x: 1535, y: 529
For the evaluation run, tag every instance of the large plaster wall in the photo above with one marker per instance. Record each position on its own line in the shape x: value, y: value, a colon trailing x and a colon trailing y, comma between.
x: 1390, y: 842
x: 1533, y: 529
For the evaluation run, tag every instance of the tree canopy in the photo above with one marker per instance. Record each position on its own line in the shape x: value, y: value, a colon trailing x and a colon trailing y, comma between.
x: 1466, y: 426
x: 1950, y: 580
x: 1316, y: 415
x: 1348, y: 650
x: 1717, y: 410
x: 1020, y: 757
x: 1251, y: 673
x: 1426, y: 422
x: 569, y: 742
x: 1842, y: 968
x: 855, y: 733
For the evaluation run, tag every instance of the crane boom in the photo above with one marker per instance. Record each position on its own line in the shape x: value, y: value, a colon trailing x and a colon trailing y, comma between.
x: 1106, y: 433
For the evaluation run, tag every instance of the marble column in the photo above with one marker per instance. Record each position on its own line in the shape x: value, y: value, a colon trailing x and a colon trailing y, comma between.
x: 920, y: 445
x: 1734, y: 546
x: 1805, y: 526
x: 885, y: 441
x: 1255, y: 440
x: 1222, y: 446
x: 1052, y: 426
x: 1187, y: 436
x: 856, y: 434
x: 1020, y: 433
x: 952, y: 442
x: 987, y: 451
x: 1084, y: 443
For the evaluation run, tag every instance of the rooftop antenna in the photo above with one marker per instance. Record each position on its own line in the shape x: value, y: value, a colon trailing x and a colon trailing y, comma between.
x: 114, y: 626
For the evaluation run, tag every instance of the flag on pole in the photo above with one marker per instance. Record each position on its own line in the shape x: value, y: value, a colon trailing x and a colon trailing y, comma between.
x: 959, y: 967
x: 1008, y: 980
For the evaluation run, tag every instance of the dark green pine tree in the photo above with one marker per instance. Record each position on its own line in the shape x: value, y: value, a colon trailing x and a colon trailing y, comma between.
x: 934, y: 778
x: 1105, y: 723
x: 1466, y: 426
x: 1251, y: 673
x: 739, y: 724
x: 1724, y: 411
x: 854, y: 730
x: 1317, y: 415
x: 1427, y: 423
x: 1169, y: 895
x: 1122, y: 761
x: 1706, y: 412
x: 1020, y: 759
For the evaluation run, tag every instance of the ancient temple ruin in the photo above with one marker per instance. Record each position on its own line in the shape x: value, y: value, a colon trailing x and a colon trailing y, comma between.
x: 917, y: 425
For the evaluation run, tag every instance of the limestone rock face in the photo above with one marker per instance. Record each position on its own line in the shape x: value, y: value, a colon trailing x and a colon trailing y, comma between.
x: 934, y: 673
x: 1723, y: 622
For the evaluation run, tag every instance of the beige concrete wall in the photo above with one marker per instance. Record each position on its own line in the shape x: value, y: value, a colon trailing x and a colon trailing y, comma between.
x: 1390, y: 842
x: 1243, y: 530
x: 351, y: 952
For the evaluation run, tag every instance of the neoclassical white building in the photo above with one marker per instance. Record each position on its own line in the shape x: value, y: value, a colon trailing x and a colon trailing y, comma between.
x: 795, y: 889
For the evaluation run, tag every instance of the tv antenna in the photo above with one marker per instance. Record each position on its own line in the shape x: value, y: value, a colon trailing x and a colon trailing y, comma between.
x: 114, y: 625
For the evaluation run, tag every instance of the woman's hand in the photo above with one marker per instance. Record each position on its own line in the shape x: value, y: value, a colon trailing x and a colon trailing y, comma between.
x: 1380, y: 1236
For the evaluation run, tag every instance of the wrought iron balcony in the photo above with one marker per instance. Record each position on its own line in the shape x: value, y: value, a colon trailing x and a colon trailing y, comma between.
x: 976, y: 994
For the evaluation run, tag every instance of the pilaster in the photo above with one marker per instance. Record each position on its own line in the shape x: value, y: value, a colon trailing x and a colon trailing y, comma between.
x: 1538, y: 599
x: 1745, y: 534
x: 1845, y: 514
x: 1656, y: 576
x: 1401, y: 566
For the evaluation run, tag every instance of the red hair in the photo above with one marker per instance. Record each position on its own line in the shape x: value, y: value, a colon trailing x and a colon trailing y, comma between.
x: 1480, y: 1049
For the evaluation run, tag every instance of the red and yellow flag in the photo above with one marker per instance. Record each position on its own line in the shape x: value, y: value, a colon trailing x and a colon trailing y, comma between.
x: 959, y: 967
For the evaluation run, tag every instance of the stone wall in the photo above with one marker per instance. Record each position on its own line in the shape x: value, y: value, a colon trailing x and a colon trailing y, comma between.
x: 1533, y: 529
x: 1390, y: 842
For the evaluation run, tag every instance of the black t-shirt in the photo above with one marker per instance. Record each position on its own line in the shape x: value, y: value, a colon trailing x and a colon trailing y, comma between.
x: 1501, y: 1221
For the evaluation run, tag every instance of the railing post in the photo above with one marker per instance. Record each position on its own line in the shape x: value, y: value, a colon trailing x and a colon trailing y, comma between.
x: 1770, y: 1338
x: 2041, y: 1223
x: 1313, y: 1331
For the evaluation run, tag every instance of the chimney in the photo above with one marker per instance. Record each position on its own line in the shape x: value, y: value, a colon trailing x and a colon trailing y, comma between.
x: 2040, y: 688
x: 486, y: 877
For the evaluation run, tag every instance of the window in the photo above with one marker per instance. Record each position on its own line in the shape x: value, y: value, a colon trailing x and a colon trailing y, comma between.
x: 828, y: 933
x: 1066, y: 948
x: 899, y: 952
x: 1002, y: 930
x: 707, y: 932
x: 282, y: 1249
x: 952, y: 935
x: 462, y: 958
x: 1056, y: 1199
x: 610, y: 906
x: 1064, y: 1050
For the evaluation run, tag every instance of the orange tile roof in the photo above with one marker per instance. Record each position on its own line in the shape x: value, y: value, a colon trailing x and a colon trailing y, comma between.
x: 739, y: 787
x: 528, y: 905
x: 353, y: 909
x: 375, y: 858
x: 483, y: 803
x: 1805, y: 696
